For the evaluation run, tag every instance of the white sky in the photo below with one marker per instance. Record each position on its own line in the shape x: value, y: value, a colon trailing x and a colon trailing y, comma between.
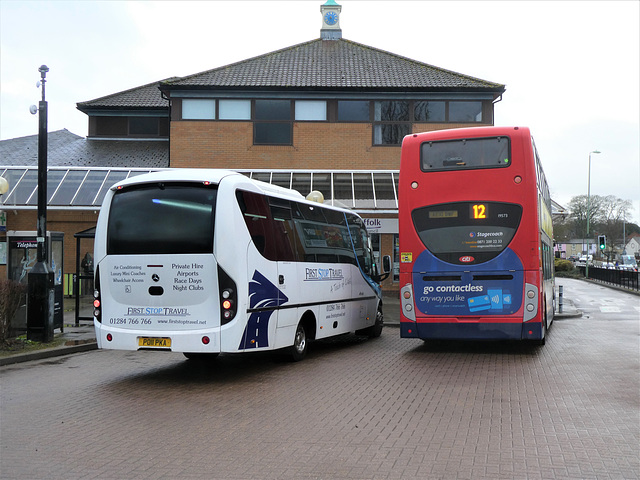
x: 571, y: 69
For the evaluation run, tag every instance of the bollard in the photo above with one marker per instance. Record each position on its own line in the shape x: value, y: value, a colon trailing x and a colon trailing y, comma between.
x: 560, y: 288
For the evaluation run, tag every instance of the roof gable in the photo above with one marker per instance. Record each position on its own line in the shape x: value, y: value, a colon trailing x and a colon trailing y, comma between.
x: 334, y: 64
x: 145, y: 96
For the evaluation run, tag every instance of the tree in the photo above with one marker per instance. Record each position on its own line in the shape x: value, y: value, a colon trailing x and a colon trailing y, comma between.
x: 606, y: 217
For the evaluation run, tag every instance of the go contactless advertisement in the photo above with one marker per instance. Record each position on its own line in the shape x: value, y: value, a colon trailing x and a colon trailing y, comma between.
x: 450, y: 290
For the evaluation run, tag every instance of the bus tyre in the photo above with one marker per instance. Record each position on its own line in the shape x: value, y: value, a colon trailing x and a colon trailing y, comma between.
x: 375, y: 330
x: 298, y: 350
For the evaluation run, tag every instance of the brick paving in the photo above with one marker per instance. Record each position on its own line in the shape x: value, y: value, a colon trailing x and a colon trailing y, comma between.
x: 387, y: 408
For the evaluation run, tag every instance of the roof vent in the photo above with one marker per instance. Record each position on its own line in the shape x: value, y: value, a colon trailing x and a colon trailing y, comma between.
x: 330, y: 21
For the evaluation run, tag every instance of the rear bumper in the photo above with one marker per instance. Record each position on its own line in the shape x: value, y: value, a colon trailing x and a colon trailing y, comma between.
x: 471, y: 330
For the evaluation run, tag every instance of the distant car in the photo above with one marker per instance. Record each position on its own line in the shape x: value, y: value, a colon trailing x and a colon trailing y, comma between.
x: 574, y: 258
x: 627, y: 268
x: 582, y: 261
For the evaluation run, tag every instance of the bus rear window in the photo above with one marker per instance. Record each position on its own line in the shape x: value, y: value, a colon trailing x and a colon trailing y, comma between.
x: 465, y: 154
x: 162, y: 219
x: 467, y: 232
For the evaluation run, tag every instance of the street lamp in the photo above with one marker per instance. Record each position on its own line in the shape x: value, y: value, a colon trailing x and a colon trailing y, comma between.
x: 586, y: 268
x: 4, y: 186
x: 40, y: 279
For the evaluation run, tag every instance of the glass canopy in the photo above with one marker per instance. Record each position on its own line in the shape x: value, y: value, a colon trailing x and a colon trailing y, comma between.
x: 79, y: 188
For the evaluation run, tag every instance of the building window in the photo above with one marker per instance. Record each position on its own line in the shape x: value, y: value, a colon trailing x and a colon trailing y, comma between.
x: 272, y: 122
x: 466, y: 112
x: 147, y: 126
x: 391, y: 122
x: 198, y: 109
x: 111, y: 126
x: 234, y: 109
x: 429, y: 111
x: 311, y: 110
x: 353, y: 110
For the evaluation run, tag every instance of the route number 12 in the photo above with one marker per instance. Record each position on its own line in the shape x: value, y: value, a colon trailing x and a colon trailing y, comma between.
x: 479, y: 211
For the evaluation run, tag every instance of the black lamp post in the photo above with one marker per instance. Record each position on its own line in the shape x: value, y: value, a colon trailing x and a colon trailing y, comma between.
x: 40, y: 297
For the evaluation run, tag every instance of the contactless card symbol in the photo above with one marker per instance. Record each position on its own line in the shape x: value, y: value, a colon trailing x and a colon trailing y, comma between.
x: 477, y: 304
x: 496, y: 298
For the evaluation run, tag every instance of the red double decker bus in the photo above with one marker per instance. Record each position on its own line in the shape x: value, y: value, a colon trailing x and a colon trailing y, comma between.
x: 476, y: 240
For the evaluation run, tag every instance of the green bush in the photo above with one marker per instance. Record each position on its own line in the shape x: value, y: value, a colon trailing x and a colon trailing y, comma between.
x: 563, y: 265
x: 11, y: 295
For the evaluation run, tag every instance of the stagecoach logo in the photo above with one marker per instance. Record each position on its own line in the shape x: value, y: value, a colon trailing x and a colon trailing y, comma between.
x: 472, y: 234
x: 467, y: 259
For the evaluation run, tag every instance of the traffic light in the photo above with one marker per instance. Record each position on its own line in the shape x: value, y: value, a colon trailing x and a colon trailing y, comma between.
x: 602, y: 242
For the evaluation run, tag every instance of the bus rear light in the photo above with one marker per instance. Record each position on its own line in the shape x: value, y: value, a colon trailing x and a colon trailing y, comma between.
x: 517, y: 179
x: 205, y: 340
x: 531, y: 302
x: 109, y: 337
x: 97, y: 304
x: 407, y: 302
x: 414, y: 185
x: 228, y: 296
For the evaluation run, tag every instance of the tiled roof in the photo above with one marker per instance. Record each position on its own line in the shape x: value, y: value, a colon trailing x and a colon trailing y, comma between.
x: 334, y: 64
x: 146, y: 96
x: 67, y: 149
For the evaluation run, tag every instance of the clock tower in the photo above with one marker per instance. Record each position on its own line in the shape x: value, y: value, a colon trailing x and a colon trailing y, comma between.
x: 330, y: 21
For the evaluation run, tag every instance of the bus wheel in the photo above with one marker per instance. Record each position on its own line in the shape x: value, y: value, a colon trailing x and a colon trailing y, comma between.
x: 298, y: 350
x: 545, y: 328
x: 200, y: 357
x: 375, y: 330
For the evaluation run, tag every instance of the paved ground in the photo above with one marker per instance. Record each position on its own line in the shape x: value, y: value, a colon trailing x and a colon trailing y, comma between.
x: 389, y: 408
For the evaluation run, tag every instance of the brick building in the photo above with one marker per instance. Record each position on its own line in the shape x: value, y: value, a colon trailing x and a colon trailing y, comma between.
x: 328, y: 114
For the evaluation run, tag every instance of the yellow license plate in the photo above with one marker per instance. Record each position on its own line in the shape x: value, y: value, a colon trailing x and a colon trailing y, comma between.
x: 154, y: 342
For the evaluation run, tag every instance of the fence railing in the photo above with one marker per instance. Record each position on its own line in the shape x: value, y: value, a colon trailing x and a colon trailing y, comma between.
x: 621, y: 278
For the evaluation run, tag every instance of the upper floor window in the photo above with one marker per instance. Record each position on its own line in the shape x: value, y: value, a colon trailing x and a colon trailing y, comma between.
x: 311, y: 110
x: 234, y: 109
x: 198, y: 109
x: 391, y: 122
x: 143, y: 126
x: 118, y: 127
x: 273, y: 119
x: 429, y: 111
x: 272, y: 123
x: 465, y: 112
x: 353, y: 110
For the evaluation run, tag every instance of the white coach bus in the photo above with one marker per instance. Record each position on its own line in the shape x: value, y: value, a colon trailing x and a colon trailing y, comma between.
x: 210, y: 261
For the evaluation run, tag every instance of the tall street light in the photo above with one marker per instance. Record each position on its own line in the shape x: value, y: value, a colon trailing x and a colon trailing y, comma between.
x: 40, y: 278
x: 586, y: 268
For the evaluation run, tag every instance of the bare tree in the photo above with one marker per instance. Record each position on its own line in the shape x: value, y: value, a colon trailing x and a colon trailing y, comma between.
x: 606, y: 217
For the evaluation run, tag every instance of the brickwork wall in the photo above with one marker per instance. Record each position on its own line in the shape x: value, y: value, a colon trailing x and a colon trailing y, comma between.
x: 316, y: 145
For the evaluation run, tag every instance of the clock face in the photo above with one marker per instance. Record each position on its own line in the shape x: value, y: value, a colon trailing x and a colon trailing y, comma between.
x: 331, y: 18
